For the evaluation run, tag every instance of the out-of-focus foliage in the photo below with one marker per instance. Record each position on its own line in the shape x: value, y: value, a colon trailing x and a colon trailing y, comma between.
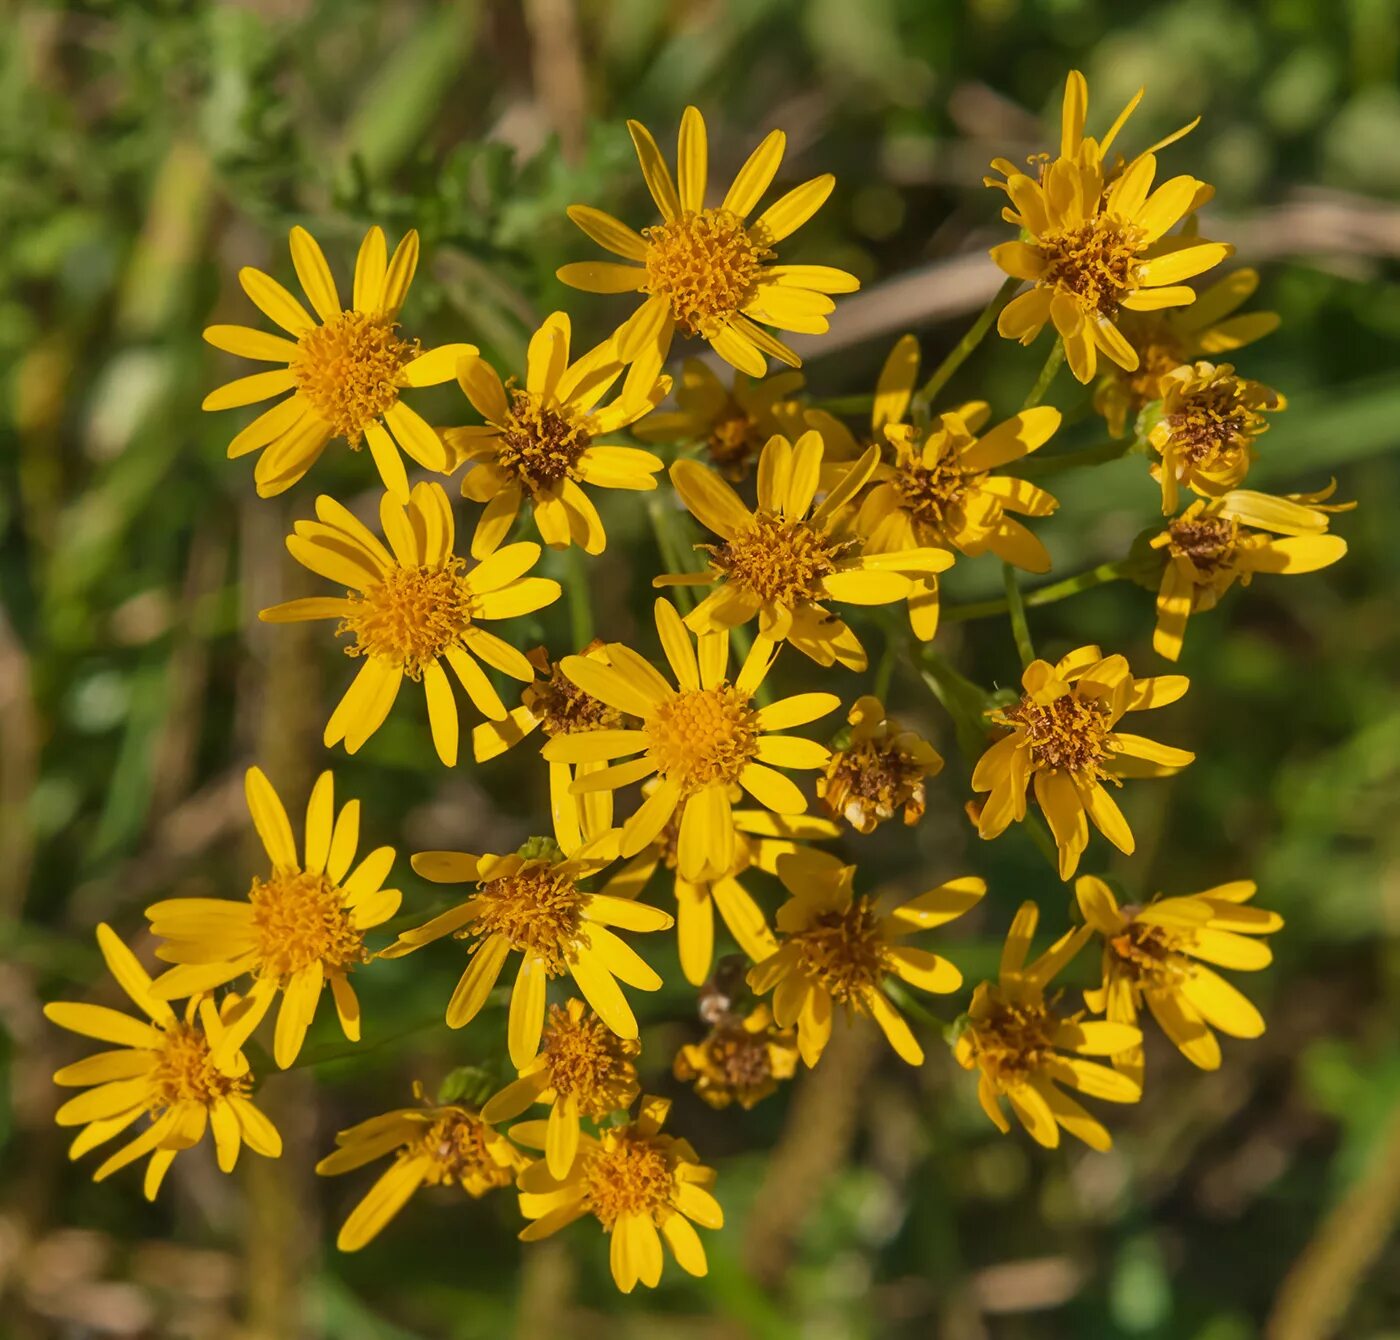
x: 147, y: 150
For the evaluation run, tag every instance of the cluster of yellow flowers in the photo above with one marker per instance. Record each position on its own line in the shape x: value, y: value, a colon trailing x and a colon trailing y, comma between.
x: 836, y: 520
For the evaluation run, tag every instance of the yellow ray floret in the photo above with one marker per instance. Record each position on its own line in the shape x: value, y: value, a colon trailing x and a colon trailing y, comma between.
x: 711, y: 271
x: 541, y: 442
x: 411, y: 607
x: 346, y: 368
x: 641, y: 1186
x: 302, y: 927
x: 175, y: 1071
x: 1063, y: 740
x: 1025, y: 1049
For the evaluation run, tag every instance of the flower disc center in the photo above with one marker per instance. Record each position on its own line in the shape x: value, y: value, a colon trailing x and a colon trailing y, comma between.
x: 349, y: 370
x: 704, y: 264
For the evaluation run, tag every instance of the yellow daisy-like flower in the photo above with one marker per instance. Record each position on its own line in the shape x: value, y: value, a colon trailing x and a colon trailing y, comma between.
x: 540, y: 442
x: 1159, y: 954
x: 709, y: 271
x: 880, y: 772
x: 557, y: 706
x: 783, y: 561
x: 741, y: 1060
x: 838, y: 950
x: 1025, y: 1048
x: 763, y: 839
x: 176, y: 1072
x: 302, y: 927
x: 443, y: 1145
x: 700, y: 738
x: 1092, y: 252
x: 1165, y: 340
x: 732, y: 423
x: 893, y: 392
x: 1214, y: 544
x: 583, y: 1070
x: 411, y: 609
x: 1205, y: 436
x: 346, y: 368
x: 640, y: 1185
x: 532, y: 903
x: 1062, y: 739
x: 939, y: 493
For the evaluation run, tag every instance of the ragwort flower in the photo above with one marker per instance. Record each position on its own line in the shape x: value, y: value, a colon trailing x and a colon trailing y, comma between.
x: 346, y: 367
x: 709, y: 271
x: 176, y: 1072
x: 541, y: 442
x: 302, y: 928
x: 411, y: 609
x: 741, y: 1060
x: 1063, y: 739
x: 1025, y: 1048
x: 634, y: 1181
x: 837, y: 949
x: 880, y: 772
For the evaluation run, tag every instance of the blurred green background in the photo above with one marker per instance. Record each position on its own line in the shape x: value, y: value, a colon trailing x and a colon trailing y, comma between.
x: 150, y: 148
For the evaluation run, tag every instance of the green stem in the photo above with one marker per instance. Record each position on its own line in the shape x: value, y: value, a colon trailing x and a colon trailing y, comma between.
x: 672, y: 552
x: 961, y: 351
x: 884, y: 671
x: 1046, y: 595
x: 1016, y: 607
x: 914, y: 1007
x: 1047, y: 375
x: 580, y: 599
x: 845, y: 404
x: 1039, y: 834
x: 1030, y: 466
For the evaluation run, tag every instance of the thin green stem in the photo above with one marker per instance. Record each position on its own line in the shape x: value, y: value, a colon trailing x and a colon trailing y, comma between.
x: 673, y: 553
x: 915, y: 1008
x: 1035, y: 827
x: 1016, y: 607
x: 580, y: 599
x: 845, y: 404
x: 962, y: 350
x: 884, y: 671
x: 1046, y: 595
x: 1047, y: 375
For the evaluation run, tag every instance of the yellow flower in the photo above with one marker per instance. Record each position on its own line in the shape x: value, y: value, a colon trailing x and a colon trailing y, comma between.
x: 741, y: 1060
x: 709, y: 272
x: 1165, y: 340
x: 880, y: 771
x: 301, y: 928
x: 732, y: 423
x: 893, y: 392
x: 1205, y: 435
x: 413, y: 608
x: 1097, y: 242
x: 762, y: 840
x: 699, y: 738
x: 346, y: 368
x: 634, y: 1181
x: 532, y: 903
x: 1062, y: 738
x: 444, y: 1145
x: 165, y: 1070
x: 1212, y: 545
x: 939, y: 494
x: 838, y: 950
x: 540, y: 442
x: 1158, y: 954
x: 583, y: 1070
x: 559, y: 707
x: 1025, y: 1048
x: 782, y: 561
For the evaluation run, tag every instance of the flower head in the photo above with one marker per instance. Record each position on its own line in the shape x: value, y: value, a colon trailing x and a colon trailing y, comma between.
x: 346, y: 368
x: 534, y: 903
x: 1097, y: 241
x: 444, y: 1145
x: 1025, y: 1048
x: 1167, y: 339
x: 839, y: 949
x: 542, y: 441
x: 1062, y: 739
x: 301, y: 928
x: 1205, y: 436
x: 1214, y: 544
x: 699, y: 737
x: 880, y: 772
x: 411, y: 609
x: 583, y: 1070
x: 731, y: 423
x: 785, y: 561
x: 741, y: 1060
x: 640, y: 1185
x: 1158, y: 954
x: 710, y: 272
x: 173, y: 1070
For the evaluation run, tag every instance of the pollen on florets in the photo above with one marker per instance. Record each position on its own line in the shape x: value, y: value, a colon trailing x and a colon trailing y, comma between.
x: 1150, y: 954
x: 929, y: 492
x: 1094, y: 261
x: 703, y: 736
x: 300, y: 918
x: 411, y: 615
x: 184, y: 1072
x: 869, y: 780
x: 704, y: 264
x: 587, y: 1060
x: 539, y: 909
x: 1068, y: 732
x: 1209, y: 542
x: 564, y: 709
x: 627, y: 1174
x: 349, y: 370
x: 541, y: 444
x: 844, y: 952
x: 1014, y: 1040
x: 1212, y: 417
x: 457, y: 1145
x: 778, y: 559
